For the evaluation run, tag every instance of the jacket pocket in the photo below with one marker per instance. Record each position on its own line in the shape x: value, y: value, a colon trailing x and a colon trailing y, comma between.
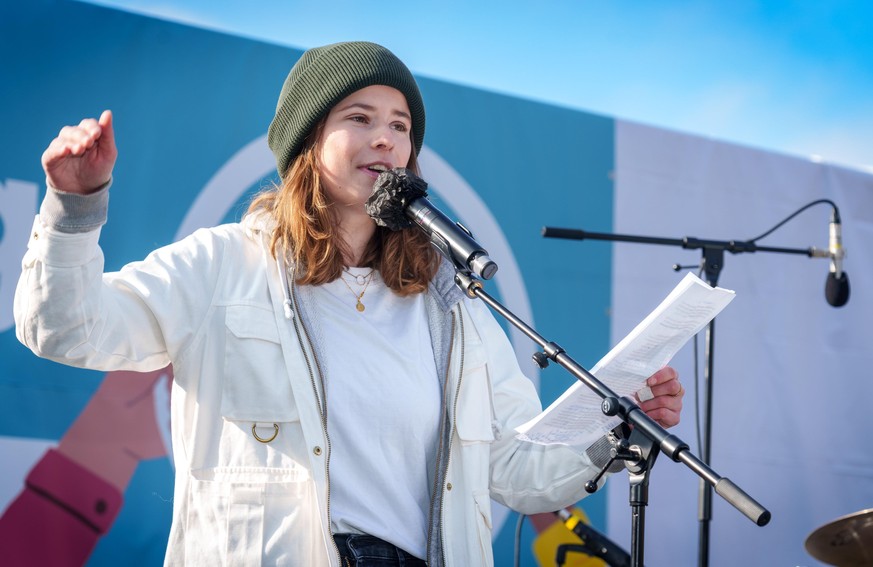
x: 269, y: 518
x: 261, y: 424
x: 256, y: 386
x: 475, y: 413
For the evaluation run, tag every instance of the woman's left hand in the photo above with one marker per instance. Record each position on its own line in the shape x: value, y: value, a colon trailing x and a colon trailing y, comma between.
x: 666, y: 403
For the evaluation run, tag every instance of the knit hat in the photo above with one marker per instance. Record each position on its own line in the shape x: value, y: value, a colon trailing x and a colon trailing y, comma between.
x: 324, y: 76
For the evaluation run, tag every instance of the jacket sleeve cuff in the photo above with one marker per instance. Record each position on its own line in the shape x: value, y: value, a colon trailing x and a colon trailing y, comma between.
x: 58, y: 249
x: 76, y: 489
x: 72, y: 212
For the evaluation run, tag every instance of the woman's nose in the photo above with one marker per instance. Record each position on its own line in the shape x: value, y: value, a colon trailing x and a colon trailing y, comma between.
x: 383, y: 137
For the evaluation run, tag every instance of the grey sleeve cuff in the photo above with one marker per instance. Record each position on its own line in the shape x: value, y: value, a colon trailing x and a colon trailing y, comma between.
x: 72, y: 212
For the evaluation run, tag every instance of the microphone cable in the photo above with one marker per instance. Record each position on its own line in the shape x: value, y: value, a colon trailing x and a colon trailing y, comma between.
x: 794, y: 214
x: 518, y: 524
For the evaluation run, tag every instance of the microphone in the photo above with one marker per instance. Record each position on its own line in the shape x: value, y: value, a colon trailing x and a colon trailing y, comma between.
x: 593, y: 541
x: 837, y: 282
x: 399, y: 200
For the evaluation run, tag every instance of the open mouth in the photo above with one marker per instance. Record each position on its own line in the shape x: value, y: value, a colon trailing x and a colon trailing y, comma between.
x: 377, y: 167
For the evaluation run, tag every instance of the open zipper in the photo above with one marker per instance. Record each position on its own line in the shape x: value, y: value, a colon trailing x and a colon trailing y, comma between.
x: 439, y: 491
x: 290, y: 288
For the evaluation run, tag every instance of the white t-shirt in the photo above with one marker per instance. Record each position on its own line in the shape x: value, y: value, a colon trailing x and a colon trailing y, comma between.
x: 383, y: 403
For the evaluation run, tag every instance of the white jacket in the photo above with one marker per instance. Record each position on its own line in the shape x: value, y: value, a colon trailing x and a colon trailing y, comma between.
x: 212, y: 304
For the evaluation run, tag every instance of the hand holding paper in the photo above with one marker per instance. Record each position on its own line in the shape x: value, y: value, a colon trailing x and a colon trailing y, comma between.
x: 575, y: 418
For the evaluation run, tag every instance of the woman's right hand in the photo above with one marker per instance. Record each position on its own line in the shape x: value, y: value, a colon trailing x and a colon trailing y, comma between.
x: 81, y: 158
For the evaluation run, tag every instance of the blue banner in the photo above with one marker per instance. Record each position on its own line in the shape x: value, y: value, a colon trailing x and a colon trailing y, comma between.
x: 191, y: 109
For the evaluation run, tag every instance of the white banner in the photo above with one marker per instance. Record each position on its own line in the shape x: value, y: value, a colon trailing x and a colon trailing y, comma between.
x: 792, y: 378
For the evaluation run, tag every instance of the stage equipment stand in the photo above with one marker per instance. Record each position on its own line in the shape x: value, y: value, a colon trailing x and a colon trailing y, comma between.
x: 712, y: 261
x: 647, y: 439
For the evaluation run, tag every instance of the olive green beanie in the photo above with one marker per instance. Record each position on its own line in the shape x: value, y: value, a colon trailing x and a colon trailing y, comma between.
x: 324, y: 76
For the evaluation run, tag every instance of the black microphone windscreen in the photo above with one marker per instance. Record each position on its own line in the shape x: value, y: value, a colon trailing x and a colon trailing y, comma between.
x: 392, y: 192
x: 837, y: 289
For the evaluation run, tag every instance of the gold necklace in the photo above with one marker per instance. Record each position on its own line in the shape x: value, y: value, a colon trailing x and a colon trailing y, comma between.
x: 360, y: 280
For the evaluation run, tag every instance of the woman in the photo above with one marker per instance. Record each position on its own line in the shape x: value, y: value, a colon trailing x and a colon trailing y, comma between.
x: 336, y: 398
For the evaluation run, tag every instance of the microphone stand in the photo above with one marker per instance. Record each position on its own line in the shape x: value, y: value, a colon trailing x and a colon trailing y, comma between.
x: 647, y: 436
x: 712, y: 262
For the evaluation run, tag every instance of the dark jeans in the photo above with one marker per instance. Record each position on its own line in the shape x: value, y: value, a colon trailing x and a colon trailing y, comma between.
x: 357, y: 550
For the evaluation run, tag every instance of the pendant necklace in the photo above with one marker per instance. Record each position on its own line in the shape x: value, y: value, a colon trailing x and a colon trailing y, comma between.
x: 360, y: 280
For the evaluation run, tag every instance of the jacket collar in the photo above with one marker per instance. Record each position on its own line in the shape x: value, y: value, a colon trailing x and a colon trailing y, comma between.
x: 443, y: 287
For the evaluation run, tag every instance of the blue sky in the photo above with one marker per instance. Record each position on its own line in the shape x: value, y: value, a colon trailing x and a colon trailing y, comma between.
x: 791, y: 77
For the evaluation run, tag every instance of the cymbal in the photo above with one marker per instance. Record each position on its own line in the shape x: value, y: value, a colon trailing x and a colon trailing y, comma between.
x: 846, y: 542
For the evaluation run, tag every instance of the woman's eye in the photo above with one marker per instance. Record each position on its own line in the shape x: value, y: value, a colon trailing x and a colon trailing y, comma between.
x: 358, y: 118
x: 401, y: 127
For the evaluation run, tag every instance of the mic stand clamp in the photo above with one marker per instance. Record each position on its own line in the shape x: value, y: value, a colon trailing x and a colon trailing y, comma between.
x: 468, y: 283
x: 645, y: 451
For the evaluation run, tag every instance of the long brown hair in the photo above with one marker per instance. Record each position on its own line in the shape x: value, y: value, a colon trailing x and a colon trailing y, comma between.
x: 308, y: 233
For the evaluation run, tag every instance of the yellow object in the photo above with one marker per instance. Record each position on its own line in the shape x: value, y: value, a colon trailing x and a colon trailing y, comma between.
x: 545, y: 546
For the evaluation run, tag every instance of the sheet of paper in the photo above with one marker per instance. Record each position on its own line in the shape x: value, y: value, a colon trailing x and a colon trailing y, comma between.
x: 575, y: 417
